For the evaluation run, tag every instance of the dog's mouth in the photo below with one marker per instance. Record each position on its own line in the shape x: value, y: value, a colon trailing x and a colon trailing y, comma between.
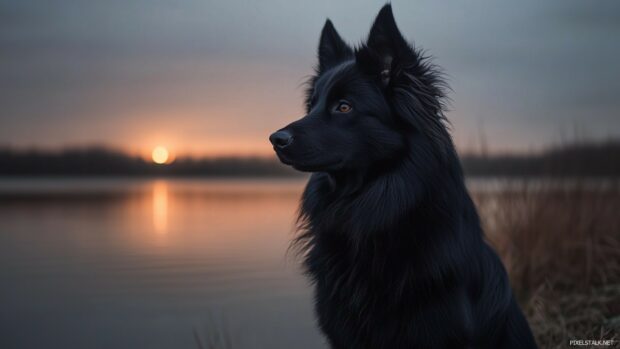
x: 309, y: 166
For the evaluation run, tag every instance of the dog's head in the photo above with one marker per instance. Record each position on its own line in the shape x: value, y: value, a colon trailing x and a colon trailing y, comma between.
x: 363, y: 106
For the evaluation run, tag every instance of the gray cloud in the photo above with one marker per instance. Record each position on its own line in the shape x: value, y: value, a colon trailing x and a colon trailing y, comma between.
x: 74, y: 71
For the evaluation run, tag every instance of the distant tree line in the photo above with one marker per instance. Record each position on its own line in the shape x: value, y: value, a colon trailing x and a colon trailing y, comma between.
x: 572, y: 160
x: 592, y: 159
x: 97, y: 161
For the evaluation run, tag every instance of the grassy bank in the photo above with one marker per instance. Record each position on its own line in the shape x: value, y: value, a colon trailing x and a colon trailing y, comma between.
x: 561, y: 247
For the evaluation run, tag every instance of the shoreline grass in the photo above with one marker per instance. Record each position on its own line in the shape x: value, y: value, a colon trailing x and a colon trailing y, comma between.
x: 561, y: 247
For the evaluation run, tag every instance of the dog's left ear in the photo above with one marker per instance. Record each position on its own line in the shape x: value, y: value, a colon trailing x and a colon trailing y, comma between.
x: 386, y: 50
x: 332, y: 49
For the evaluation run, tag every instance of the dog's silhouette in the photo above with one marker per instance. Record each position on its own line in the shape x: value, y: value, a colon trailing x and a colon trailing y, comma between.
x: 390, y: 235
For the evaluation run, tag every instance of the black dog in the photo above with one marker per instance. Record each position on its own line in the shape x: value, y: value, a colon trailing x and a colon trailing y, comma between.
x: 390, y: 234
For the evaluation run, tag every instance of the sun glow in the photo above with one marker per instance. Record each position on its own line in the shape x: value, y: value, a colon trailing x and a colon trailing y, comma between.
x: 160, y: 155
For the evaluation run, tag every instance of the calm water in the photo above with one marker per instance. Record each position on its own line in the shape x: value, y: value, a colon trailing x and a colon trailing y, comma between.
x: 111, y: 263
x: 144, y: 263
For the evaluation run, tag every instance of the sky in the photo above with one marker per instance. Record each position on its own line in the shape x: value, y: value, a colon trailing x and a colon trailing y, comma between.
x: 216, y: 78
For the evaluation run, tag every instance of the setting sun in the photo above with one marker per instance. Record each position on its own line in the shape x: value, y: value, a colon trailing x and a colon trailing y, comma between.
x: 160, y: 155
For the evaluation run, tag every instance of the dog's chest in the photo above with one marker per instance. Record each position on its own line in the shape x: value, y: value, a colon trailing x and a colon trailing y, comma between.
x: 374, y: 300
x: 357, y: 281
x: 361, y: 298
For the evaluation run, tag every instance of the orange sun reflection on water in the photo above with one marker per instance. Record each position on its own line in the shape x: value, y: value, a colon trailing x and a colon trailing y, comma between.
x: 160, y: 207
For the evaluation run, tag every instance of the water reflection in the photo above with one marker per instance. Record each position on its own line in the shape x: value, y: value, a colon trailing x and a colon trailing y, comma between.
x: 160, y: 206
x: 137, y: 263
x: 126, y: 263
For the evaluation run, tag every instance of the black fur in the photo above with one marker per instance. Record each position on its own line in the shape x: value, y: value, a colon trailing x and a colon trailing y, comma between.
x: 390, y: 235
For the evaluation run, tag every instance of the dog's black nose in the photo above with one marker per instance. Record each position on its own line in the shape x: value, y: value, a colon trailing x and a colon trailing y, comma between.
x: 281, y: 139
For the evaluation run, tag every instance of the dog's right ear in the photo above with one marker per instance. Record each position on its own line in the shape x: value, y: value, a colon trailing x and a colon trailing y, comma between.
x: 386, y: 52
x: 332, y: 49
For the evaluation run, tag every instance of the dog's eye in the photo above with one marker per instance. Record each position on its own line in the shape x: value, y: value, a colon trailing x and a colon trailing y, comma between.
x: 343, y: 107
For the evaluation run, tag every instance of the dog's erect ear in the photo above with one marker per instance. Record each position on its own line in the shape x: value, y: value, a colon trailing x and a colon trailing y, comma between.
x: 332, y: 49
x: 386, y: 48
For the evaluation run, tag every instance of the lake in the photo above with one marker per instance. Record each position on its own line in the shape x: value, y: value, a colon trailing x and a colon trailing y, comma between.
x: 158, y: 263
x: 136, y: 263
